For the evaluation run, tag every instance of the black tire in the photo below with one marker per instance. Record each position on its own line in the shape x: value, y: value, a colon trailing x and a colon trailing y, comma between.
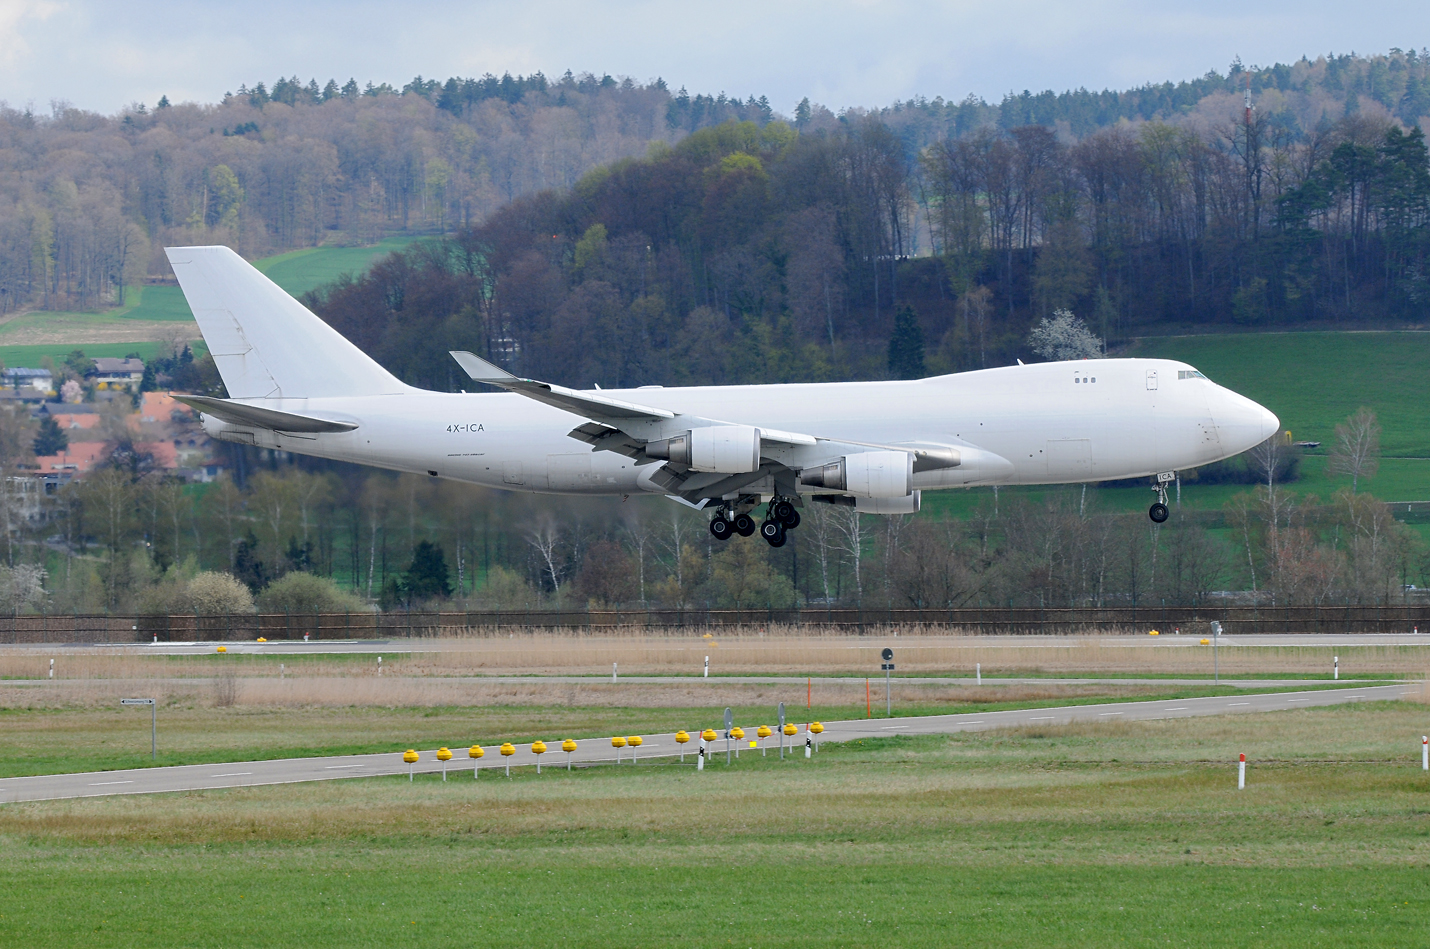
x: 775, y: 537
x: 1158, y: 512
x: 744, y: 525
x: 784, y: 512
x: 721, y: 529
x: 793, y: 521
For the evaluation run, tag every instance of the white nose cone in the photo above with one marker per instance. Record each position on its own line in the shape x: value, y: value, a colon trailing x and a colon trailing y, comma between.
x: 1242, y: 423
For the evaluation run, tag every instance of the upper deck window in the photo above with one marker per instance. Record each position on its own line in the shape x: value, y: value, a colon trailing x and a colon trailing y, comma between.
x: 1189, y: 374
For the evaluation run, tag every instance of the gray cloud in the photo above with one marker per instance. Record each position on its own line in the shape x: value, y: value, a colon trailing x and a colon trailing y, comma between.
x: 103, y: 56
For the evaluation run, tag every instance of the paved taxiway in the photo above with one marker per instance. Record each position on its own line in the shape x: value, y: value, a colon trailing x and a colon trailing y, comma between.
x: 294, y: 770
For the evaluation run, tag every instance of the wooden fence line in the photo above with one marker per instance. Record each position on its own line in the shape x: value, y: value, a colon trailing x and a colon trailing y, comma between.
x: 107, y: 628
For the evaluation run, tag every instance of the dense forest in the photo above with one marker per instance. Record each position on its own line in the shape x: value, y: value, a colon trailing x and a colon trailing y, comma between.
x: 748, y: 253
x: 87, y: 201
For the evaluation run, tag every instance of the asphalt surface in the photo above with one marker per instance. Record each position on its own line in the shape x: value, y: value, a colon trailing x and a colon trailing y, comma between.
x: 598, y: 750
x: 400, y: 646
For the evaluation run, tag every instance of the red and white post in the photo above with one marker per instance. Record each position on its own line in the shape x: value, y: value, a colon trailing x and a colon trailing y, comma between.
x: 1424, y: 753
x: 1241, y: 774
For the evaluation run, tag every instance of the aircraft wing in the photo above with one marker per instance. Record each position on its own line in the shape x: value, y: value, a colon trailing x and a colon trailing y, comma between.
x: 241, y: 413
x: 608, y: 414
x: 587, y: 404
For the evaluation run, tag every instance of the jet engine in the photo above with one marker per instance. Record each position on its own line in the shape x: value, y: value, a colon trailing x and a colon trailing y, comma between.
x: 868, y: 474
x: 728, y: 449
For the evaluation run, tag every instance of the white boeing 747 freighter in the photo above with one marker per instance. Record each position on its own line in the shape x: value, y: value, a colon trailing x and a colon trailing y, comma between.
x: 296, y: 384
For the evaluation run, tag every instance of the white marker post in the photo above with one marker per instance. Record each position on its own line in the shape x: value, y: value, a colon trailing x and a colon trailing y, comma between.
x: 978, y: 672
x: 379, y: 665
x: 613, y: 672
x: 52, y: 668
x: 700, y: 755
x: 1424, y: 753
x: 153, y: 724
x: 808, y: 740
x: 1241, y: 774
x: 707, y: 667
x: 1216, y: 638
x: 281, y: 671
x: 1336, y: 668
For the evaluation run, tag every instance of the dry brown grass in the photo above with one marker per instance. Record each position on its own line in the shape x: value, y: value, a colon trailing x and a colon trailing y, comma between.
x: 778, y: 652
x: 391, y: 691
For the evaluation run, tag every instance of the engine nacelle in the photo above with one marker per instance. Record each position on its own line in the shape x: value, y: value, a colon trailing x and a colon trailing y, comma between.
x: 727, y: 449
x: 868, y: 474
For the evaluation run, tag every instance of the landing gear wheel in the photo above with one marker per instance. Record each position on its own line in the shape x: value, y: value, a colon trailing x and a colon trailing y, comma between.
x: 792, y: 522
x: 785, y: 513
x: 744, y: 525
x: 1158, y: 512
x: 773, y: 532
x: 720, y: 528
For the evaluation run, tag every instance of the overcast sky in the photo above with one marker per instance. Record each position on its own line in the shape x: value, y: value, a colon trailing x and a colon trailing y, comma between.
x: 105, y: 55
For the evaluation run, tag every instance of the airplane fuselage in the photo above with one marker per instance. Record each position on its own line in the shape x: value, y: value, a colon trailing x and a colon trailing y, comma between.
x: 1048, y: 423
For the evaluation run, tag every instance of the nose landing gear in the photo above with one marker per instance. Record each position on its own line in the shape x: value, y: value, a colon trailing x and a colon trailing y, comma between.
x: 1159, y: 511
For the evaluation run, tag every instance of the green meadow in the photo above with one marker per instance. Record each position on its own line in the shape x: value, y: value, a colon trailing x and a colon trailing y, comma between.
x: 1127, y: 834
x: 157, y: 310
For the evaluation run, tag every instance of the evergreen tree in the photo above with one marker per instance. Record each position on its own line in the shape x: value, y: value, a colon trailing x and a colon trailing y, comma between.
x: 51, y: 439
x: 427, y: 576
x: 247, y: 567
x: 906, y: 346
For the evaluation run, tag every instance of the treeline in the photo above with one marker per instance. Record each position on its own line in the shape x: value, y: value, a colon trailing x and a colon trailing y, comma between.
x: 750, y: 253
x: 87, y: 201
x: 127, y: 540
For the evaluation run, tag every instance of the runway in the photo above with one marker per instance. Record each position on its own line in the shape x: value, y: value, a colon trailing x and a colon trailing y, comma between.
x: 598, y: 750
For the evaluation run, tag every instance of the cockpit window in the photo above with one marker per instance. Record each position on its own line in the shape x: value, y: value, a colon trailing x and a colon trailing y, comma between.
x: 1189, y: 374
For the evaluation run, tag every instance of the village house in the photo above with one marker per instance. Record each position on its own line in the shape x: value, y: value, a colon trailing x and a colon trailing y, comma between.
x: 112, y: 373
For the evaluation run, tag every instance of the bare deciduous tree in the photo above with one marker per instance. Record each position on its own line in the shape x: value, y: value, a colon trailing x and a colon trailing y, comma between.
x: 1357, y: 449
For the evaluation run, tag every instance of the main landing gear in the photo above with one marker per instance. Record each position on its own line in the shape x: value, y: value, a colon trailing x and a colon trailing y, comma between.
x: 781, y: 516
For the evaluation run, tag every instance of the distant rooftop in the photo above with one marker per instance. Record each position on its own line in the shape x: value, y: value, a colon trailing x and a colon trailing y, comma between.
x: 112, y: 364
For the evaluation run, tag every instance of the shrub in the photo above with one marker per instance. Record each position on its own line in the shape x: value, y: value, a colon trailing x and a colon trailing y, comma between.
x: 216, y: 593
x: 300, y: 592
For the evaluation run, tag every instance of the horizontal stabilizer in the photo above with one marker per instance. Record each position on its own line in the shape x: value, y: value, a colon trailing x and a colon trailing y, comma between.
x: 241, y: 413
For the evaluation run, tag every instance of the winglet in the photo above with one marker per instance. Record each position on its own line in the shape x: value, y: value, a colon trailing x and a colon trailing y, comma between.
x: 482, y: 371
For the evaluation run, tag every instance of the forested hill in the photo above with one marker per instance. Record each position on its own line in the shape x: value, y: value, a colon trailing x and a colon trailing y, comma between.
x: 87, y: 201
x: 748, y: 253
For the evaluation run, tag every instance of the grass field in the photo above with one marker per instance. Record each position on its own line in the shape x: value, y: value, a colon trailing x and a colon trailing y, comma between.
x: 1130, y: 834
x: 1312, y: 381
x: 152, y: 314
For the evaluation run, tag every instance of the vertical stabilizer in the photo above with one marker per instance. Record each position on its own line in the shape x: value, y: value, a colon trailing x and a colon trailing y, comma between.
x: 268, y: 345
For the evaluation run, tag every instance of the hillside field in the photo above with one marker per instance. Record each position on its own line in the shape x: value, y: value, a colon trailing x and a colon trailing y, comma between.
x: 154, y: 314
x: 1312, y: 381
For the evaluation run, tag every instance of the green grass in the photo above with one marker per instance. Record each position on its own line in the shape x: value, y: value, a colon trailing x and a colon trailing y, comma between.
x: 299, y: 271
x: 1312, y: 381
x: 31, y: 355
x: 296, y: 271
x: 1129, y: 834
x: 55, y: 741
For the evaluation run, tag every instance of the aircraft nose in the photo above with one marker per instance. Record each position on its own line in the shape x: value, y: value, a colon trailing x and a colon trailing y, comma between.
x: 1244, y: 424
x: 1270, y: 424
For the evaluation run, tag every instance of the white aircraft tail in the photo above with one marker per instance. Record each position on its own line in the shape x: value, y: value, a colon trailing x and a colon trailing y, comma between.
x: 268, y: 345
